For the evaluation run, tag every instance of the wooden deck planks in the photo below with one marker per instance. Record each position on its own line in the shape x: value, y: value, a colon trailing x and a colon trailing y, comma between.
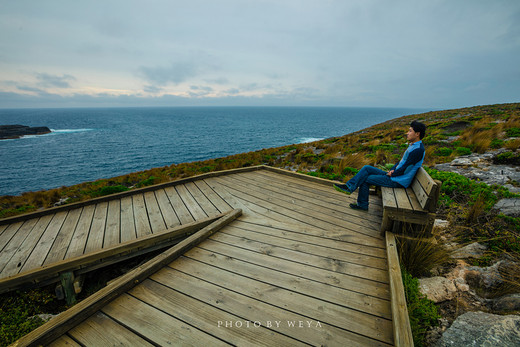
x: 250, y: 309
x: 97, y: 229
x: 79, y: 239
x: 59, y: 248
x: 41, y: 249
x: 325, y: 312
x: 15, y: 242
x: 168, y: 213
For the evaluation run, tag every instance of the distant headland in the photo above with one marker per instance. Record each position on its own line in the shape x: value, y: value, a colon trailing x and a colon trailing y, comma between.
x: 17, y: 131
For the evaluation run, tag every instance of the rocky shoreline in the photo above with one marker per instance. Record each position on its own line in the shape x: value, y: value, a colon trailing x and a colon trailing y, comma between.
x: 474, y: 313
x: 16, y: 131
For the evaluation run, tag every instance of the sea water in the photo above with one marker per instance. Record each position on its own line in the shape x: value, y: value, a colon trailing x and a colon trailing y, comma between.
x: 93, y: 143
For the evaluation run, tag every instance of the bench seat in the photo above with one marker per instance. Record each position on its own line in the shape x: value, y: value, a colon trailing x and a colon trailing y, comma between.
x: 416, y: 204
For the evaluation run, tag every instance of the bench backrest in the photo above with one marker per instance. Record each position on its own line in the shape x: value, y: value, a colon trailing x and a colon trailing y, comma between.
x: 426, y: 190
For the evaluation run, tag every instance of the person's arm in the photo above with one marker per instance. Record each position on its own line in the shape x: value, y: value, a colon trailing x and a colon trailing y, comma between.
x: 413, y: 158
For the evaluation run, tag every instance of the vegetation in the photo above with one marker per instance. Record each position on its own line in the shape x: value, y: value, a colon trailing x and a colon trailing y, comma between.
x: 422, y: 312
x: 466, y: 203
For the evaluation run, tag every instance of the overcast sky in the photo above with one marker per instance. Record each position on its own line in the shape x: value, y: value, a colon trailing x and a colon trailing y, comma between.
x: 432, y: 54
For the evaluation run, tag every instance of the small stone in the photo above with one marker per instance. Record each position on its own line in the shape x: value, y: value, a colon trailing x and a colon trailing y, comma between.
x: 440, y: 223
x: 474, y: 250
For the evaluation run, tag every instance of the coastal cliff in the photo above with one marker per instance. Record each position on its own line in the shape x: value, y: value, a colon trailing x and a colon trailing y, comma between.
x: 16, y: 131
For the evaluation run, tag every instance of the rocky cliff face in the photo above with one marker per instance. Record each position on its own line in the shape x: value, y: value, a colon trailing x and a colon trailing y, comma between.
x: 17, y: 131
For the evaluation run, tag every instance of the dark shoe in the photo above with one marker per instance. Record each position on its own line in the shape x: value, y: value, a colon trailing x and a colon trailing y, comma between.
x: 343, y: 187
x: 357, y: 207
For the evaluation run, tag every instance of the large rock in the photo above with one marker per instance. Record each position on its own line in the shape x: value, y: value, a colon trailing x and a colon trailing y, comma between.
x: 16, y: 131
x: 438, y: 289
x: 509, y: 207
x: 482, y: 329
x: 507, y: 303
x: 473, y: 250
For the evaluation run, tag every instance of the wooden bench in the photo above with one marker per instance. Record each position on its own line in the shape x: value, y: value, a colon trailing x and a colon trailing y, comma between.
x: 416, y: 204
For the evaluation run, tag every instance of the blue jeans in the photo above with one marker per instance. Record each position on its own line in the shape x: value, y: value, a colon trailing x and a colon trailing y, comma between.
x: 367, y: 176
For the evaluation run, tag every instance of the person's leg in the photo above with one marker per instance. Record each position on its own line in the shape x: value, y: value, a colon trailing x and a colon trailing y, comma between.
x: 358, y: 180
x: 376, y: 180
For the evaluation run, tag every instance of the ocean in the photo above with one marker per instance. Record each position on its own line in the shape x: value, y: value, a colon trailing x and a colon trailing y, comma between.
x: 87, y: 144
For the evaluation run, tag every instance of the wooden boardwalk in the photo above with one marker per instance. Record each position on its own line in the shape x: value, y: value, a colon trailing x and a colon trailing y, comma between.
x: 294, y: 266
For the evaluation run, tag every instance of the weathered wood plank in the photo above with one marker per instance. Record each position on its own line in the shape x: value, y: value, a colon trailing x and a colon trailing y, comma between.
x: 196, y: 211
x: 336, y: 295
x: 158, y: 326
x: 16, y: 241
x: 3, y: 227
x: 64, y: 340
x: 168, y: 213
x: 413, y: 200
x: 401, y: 324
x: 205, y: 317
x: 79, y: 239
x: 206, y: 205
x: 388, y: 197
x: 403, y: 203
x: 325, y: 312
x: 113, y: 226
x: 97, y: 229
x: 101, y: 330
x: 142, y: 224
x: 330, y: 277
x: 256, y: 310
x: 61, y: 244
x: 154, y: 213
x: 128, y: 231
x: 215, y: 199
x: 178, y: 205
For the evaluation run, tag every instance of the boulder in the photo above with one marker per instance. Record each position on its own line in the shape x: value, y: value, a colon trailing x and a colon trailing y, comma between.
x: 507, y: 303
x: 509, y: 207
x: 473, y: 250
x: 438, y: 289
x: 482, y: 329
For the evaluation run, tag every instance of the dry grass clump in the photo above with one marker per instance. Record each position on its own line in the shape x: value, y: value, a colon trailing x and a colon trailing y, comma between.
x: 419, y: 251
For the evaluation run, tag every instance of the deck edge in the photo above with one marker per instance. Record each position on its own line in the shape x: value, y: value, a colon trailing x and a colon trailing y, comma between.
x: 400, y: 320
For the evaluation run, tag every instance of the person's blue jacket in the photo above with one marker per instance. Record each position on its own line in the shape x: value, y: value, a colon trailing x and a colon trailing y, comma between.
x: 412, y: 160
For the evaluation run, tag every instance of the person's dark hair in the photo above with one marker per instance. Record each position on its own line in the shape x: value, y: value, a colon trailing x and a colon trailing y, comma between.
x: 419, y: 127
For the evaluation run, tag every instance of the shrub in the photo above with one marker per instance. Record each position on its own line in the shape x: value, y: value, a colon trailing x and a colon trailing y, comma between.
x: 443, y: 151
x: 513, y: 132
x: 496, y: 143
x: 462, y: 151
x: 110, y: 190
x: 422, y: 312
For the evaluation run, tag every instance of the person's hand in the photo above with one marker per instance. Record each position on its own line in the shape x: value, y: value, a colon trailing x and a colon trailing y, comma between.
x: 389, y: 173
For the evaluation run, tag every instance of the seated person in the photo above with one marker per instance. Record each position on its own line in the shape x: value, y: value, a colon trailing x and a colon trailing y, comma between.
x: 400, y: 176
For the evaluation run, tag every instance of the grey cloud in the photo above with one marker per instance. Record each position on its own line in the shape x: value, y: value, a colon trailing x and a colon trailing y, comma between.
x: 175, y: 73
x: 47, y: 80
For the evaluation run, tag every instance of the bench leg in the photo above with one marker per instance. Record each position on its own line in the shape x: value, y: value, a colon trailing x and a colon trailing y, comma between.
x: 386, y: 223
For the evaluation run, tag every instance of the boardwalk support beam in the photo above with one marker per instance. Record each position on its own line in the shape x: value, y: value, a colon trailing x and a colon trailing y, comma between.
x: 67, y: 283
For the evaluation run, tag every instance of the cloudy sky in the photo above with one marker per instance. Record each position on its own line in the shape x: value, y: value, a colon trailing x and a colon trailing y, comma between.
x: 436, y: 54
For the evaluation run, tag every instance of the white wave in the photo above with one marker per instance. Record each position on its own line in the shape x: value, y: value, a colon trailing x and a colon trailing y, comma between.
x: 309, y: 139
x: 58, y: 131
